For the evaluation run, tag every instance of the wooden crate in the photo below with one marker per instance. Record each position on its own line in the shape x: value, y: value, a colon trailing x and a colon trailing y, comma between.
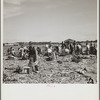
x: 27, y: 70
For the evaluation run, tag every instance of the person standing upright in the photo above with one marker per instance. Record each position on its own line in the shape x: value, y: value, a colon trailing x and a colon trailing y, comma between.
x: 32, y: 52
x: 32, y: 57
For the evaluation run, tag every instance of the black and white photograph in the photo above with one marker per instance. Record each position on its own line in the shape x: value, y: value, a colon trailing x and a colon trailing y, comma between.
x: 50, y: 42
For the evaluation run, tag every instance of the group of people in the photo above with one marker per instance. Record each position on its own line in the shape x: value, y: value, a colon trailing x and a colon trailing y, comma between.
x: 77, y: 48
x: 58, y: 50
x: 31, y: 52
x: 25, y: 53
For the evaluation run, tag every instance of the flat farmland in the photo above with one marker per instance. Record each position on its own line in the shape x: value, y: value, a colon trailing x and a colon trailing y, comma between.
x: 60, y: 71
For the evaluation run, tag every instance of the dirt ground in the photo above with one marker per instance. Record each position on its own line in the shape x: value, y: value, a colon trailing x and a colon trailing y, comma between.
x: 60, y: 71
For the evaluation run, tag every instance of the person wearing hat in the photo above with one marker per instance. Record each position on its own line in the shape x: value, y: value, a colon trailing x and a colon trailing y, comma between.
x: 32, y: 52
x: 32, y: 57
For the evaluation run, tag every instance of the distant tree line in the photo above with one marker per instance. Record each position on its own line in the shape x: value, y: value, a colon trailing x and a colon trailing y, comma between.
x: 43, y: 43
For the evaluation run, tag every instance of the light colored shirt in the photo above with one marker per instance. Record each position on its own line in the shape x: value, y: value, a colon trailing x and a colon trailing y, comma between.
x: 79, y: 46
x: 47, y: 45
x: 88, y: 46
x: 49, y: 50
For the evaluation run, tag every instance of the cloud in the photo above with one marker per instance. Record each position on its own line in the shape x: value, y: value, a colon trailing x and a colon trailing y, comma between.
x: 11, y: 11
x: 14, y: 2
x: 11, y: 14
x: 12, y: 8
x: 15, y: 7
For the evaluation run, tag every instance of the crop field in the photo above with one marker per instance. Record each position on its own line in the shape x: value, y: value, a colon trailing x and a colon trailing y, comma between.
x: 62, y: 70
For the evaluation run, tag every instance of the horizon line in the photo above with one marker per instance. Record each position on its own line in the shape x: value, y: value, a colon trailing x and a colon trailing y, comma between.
x: 50, y: 41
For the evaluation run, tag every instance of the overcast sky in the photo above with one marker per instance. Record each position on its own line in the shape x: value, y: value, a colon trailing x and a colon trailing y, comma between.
x: 49, y: 20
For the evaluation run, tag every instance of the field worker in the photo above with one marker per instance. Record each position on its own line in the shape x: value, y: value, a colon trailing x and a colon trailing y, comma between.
x: 21, y: 51
x: 62, y: 45
x: 80, y: 48
x: 25, y: 56
x: 67, y: 51
x: 95, y: 50
x: 8, y: 51
x: 87, y: 48
x: 56, y: 51
x: 25, y: 53
x: 71, y: 48
x: 38, y: 51
x: 47, y: 45
x: 32, y: 56
x: 60, y: 49
x: 67, y: 45
x: 74, y: 43
x: 12, y: 51
x: 77, y: 49
x: 32, y: 52
x: 91, y: 48
x: 50, y: 44
x: 25, y: 49
x: 49, y: 51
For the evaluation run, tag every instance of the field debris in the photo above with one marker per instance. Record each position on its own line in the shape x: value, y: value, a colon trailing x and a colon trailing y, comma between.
x: 18, y: 69
x: 76, y: 58
x: 62, y: 69
x: 90, y: 81
x: 60, y: 62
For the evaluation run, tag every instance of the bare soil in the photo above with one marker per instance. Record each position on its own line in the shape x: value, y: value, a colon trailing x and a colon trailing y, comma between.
x: 60, y: 71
